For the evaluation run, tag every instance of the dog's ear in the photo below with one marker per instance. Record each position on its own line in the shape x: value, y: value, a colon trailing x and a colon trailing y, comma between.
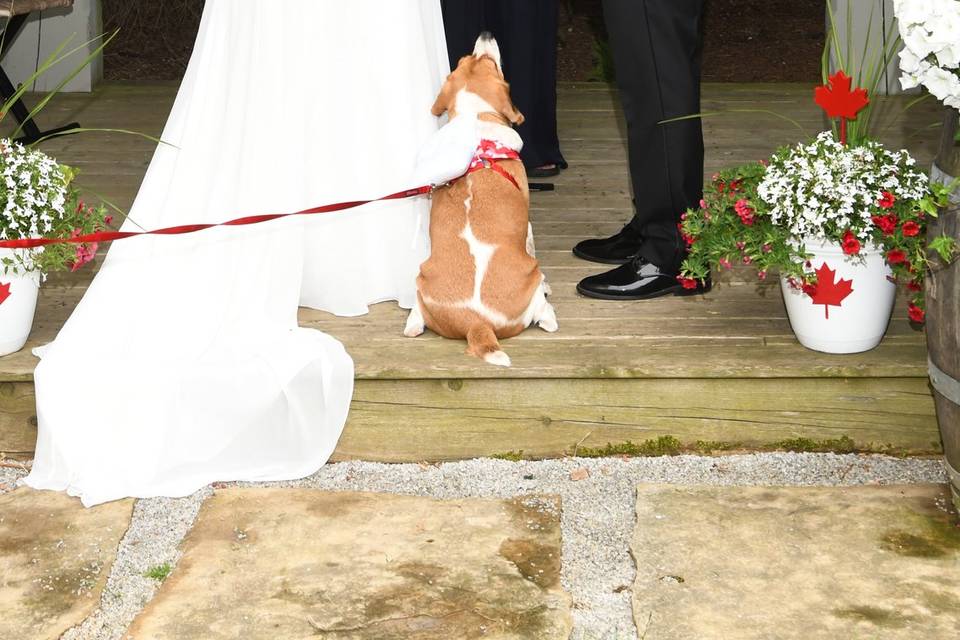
x: 444, y: 100
x: 505, y: 105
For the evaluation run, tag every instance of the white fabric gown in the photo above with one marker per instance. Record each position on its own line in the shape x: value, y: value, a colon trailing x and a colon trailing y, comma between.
x: 183, y: 364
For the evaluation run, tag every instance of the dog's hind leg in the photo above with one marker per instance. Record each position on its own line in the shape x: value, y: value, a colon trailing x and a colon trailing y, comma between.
x: 531, y: 245
x: 547, y: 318
x: 415, y: 323
x: 532, y: 250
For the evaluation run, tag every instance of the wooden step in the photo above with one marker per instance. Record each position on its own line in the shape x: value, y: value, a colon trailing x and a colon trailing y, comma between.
x: 722, y: 368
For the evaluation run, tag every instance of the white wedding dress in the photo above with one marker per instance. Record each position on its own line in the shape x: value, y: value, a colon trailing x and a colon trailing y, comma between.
x: 183, y: 364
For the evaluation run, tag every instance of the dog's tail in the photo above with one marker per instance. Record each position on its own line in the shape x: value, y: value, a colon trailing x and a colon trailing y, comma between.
x: 482, y: 342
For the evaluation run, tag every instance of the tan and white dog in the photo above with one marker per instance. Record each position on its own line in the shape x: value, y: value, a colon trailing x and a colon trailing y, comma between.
x: 482, y: 281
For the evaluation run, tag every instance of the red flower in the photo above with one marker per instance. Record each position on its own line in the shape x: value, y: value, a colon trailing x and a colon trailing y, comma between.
x: 851, y: 246
x: 85, y: 253
x: 916, y: 313
x: 809, y: 289
x: 887, y: 224
x: 896, y: 256
x: 688, y: 283
x: 745, y: 211
x: 887, y: 200
x: 721, y: 186
x: 735, y: 185
x: 911, y: 229
x: 914, y: 286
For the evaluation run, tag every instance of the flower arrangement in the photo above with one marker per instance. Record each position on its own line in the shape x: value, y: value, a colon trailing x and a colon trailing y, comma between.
x: 857, y: 197
x: 931, y: 56
x: 38, y: 198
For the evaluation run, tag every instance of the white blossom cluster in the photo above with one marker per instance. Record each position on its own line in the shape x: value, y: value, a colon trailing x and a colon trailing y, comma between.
x: 33, y: 191
x: 930, y: 30
x: 825, y: 188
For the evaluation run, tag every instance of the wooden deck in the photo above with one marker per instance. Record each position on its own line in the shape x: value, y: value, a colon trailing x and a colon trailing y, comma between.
x: 722, y: 368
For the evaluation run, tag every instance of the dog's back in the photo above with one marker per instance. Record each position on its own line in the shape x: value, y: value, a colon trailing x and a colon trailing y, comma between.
x: 479, y: 271
x: 482, y: 281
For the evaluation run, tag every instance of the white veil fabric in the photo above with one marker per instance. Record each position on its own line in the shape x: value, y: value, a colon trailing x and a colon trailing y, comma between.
x: 184, y: 364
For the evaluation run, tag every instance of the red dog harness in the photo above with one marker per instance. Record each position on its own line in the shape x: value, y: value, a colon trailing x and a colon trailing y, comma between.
x: 488, y: 156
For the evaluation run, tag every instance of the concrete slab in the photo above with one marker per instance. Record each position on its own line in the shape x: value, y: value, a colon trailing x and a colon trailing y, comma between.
x: 284, y: 563
x: 55, y: 557
x: 753, y: 562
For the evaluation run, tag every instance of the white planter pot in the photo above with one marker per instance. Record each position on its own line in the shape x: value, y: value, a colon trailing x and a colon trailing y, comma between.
x: 18, y: 303
x: 860, y: 309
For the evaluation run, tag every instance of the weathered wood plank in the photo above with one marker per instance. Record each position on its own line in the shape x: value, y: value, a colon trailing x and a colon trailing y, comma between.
x: 454, y: 418
x: 18, y: 419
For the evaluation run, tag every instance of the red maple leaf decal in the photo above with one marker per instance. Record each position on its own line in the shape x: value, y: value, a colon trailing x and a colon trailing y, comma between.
x: 828, y: 291
x: 4, y: 292
x: 839, y: 101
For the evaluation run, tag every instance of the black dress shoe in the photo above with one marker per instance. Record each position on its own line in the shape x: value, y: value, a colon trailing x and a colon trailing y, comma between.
x: 617, y: 249
x: 637, y: 280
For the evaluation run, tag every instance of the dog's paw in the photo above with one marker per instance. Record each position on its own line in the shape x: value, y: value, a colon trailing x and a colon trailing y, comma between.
x: 497, y: 358
x: 415, y: 324
x: 550, y: 326
x: 548, y: 320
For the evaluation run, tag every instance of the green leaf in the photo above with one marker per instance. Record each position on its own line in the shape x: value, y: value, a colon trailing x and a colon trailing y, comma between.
x: 945, y: 246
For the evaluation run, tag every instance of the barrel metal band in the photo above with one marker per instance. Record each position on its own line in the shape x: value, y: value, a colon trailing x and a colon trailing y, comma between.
x: 944, y: 384
x: 952, y: 474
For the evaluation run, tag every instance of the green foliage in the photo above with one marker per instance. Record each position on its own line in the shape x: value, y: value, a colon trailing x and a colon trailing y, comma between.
x: 604, y: 69
x: 39, y: 198
x: 512, y: 456
x: 842, y: 444
x: 945, y: 247
x: 712, y: 446
x: 662, y: 446
x: 159, y: 572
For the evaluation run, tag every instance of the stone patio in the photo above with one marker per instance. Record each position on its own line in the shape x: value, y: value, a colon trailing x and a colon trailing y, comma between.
x: 55, y: 557
x: 288, y: 563
x: 756, y: 562
x: 707, y: 547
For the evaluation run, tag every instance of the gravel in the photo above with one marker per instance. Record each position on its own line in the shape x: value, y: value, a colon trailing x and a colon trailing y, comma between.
x: 598, y: 516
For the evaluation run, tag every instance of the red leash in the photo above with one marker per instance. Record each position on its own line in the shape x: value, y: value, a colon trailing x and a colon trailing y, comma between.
x: 487, y: 157
x: 109, y: 236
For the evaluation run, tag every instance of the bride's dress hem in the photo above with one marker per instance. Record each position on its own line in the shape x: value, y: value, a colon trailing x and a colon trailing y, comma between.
x: 92, y: 499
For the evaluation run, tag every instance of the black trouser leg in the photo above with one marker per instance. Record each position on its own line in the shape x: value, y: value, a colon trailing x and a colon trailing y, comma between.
x: 526, y: 31
x: 656, y: 51
x: 463, y: 21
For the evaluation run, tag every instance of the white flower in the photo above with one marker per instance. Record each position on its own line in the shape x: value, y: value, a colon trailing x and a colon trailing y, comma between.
x: 824, y: 188
x: 930, y: 30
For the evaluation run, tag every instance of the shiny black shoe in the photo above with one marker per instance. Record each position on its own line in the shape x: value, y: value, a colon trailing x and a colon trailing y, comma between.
x: 637, y: 280
x: 617, y: 249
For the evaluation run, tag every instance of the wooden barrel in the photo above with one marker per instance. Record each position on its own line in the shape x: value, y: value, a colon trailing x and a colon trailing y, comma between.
x: 943, y: 311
